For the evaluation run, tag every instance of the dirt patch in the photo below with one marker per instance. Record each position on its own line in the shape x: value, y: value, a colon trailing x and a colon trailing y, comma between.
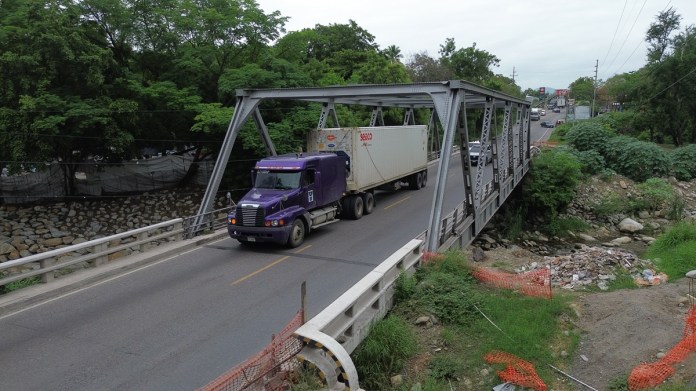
x: 624, y: 328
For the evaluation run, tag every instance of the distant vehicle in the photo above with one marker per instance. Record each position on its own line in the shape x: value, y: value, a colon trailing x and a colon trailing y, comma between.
x: 546, y: 124
x: 556, y: 109
x: 475, y: 153
x: 543, y: 112
x: 534, y: 115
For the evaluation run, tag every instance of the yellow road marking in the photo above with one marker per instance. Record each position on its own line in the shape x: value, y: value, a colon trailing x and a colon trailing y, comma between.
x: 281, y: 259
x: 397, y: 202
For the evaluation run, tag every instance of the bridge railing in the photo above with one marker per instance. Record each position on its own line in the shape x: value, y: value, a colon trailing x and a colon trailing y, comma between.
x: 95, y: 252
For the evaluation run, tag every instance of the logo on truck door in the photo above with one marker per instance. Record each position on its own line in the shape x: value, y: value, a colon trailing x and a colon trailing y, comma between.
x: 310, y: 196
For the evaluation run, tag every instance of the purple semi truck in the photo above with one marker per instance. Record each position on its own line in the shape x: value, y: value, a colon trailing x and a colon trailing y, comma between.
x: 296, y: 193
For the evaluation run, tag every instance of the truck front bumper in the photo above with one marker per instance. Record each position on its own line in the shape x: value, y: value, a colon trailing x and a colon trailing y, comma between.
x: 259, y: 234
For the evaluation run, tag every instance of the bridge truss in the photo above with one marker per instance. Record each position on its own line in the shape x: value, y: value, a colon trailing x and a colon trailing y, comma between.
x: 449, y: 103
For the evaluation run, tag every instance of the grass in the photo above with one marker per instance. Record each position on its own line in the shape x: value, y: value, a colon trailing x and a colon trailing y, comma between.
x: 13, y: 286
x: 561, y: 226
x: 674, y: 252
x: 384, y: 352
x: 532, y: 329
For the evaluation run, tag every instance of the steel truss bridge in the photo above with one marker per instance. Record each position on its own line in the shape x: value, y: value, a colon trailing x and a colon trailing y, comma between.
x: 450, y: 104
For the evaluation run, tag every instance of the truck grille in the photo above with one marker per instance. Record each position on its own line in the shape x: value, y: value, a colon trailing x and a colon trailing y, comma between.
x: 250, y: 216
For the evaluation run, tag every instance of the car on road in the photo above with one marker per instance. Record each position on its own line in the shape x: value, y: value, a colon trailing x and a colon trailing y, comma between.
x: 543, y: 112
x: 547, y: 124
x: 556, y: 109
x: 475, y: 153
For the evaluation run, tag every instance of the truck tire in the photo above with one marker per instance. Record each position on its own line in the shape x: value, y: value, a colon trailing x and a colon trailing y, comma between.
x: 357, y: 207
x: 415, y: 181
x: 368, y: 202
x: 297, y: 233
x: 425, y: 178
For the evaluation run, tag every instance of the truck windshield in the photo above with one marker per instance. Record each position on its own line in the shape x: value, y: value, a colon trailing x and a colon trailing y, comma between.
x: 277, y: 180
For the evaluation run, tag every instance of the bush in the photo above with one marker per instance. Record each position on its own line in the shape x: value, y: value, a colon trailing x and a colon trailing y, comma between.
x: 638, y: 160
x: 550, y: 184
x: 592, y: 162
x: 684, y: 162
x: 560, y: 131
x: 588, y: 136
x: 656, y: 192
x: 384, y: 352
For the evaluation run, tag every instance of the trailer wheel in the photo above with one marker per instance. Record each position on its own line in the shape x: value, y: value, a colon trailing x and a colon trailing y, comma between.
x: 415, y: 181
x: 345, y: 208
x: 357, y: 207
x: 425, y: 178
x: 368, y: 202
x: 297, y: 233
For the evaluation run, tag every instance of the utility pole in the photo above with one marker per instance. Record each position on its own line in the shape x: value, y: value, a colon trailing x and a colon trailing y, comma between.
x: 594, y: 89
x: 513, y: 74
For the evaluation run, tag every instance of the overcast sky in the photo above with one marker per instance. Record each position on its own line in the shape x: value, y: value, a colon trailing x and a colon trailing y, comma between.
x: 547, y: 43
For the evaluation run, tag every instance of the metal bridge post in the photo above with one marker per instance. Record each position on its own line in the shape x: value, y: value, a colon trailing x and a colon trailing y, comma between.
x: 242, y: 110
x: 377, y: 118
x: 448, y: 107
x: 328, y: 109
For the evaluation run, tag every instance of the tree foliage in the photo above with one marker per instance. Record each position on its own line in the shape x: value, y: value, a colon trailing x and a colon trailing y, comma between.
x: 550, y: 184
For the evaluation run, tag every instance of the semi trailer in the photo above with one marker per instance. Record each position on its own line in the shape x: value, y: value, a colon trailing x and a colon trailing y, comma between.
x: 335, y: 179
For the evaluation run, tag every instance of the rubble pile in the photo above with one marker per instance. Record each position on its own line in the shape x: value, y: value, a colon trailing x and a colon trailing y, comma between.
x: 591, y: 266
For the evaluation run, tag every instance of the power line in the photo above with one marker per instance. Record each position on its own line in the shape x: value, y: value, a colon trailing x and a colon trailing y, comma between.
x: 671, y: 85
x: 627, y: 35
x: 611, y: 44
x: 638, y: 45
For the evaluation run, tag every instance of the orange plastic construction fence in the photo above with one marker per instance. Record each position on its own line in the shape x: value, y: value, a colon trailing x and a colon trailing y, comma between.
x: 517, y: 370
x: 648, y: 375
x: 536, y: 283
x: 265, y: 370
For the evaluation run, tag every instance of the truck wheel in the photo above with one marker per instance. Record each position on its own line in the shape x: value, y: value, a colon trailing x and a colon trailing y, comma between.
x: 357, y: 207
x: 345, y: 208
x: 297, y: 233
x: 368, y: 202
x: 425, y: 178
x: 415, y: 181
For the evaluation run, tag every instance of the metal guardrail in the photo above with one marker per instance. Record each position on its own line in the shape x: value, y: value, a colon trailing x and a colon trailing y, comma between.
x: 97, y: 252
x: 345, y: 323
x: 213, y: 220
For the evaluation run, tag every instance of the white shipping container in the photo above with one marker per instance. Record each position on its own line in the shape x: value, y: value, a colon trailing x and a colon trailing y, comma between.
x: 376, y: 155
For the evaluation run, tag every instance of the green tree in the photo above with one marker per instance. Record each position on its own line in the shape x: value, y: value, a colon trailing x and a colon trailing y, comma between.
x: 423, y: 68
x: 469, y: 63
x: 380, y: 70
x: 582, y: 89
x: 393, y: 53
x: 55, y: 79
x: 550, y: 184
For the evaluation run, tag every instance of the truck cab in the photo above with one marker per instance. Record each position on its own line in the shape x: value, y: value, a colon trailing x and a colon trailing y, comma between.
x: 291, y: 195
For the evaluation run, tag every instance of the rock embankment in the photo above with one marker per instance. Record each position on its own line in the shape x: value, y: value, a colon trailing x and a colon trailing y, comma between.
x: 33, y: 229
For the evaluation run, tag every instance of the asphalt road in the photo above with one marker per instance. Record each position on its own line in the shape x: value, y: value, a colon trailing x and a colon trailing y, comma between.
x: 179, y: 323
